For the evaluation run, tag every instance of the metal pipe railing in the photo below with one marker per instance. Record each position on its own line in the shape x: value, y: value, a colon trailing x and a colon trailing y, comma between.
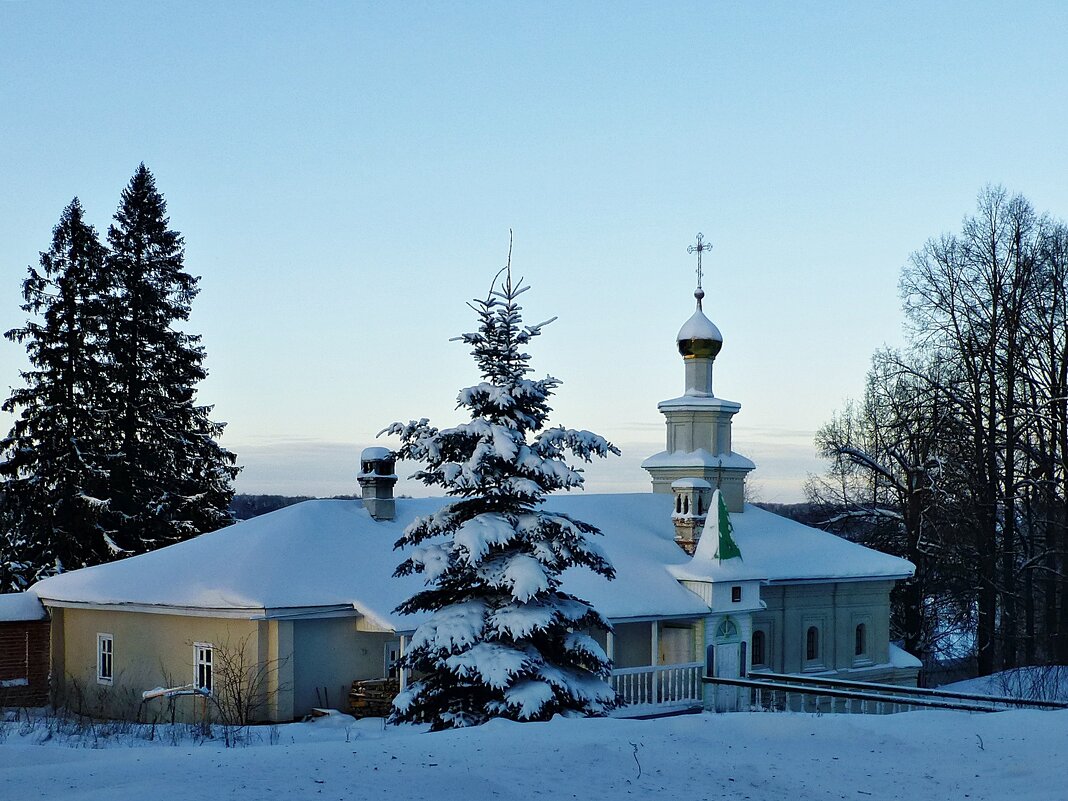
x: 908, y: 691
x: 826, y: 692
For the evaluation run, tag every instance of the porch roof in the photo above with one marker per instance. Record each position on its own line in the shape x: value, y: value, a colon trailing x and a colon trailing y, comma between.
x: 20, y: 607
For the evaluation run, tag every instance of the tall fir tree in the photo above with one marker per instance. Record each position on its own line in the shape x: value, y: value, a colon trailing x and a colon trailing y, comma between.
x: 53, y: 460
x: 503, y: 640
x: 170, y: 479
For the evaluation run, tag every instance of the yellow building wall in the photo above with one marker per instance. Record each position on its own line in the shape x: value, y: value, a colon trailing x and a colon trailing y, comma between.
x: 150, y: 650
x: 287, y: 661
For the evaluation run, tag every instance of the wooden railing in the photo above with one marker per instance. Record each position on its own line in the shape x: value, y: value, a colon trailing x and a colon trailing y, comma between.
x: 677, y: 686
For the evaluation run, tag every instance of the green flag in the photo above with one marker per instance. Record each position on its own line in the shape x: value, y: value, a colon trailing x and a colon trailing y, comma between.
x: 728, y: 548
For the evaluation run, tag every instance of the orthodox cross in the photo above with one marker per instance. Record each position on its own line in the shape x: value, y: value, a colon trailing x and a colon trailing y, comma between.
x: 699, y: 248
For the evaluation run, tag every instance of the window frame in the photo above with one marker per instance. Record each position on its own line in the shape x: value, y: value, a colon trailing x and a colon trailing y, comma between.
x: 727, y: 630
x: 816, y: 661
x: 762, y: 652
x: 105, y: 658
x: 812, y: 644
x: 865, y: 657
x: 390, y: 670
x: 200, y: 649
x: 824, y: 658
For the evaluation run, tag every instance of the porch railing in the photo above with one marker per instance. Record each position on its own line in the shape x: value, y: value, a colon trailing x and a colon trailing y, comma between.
x: 677, y: 686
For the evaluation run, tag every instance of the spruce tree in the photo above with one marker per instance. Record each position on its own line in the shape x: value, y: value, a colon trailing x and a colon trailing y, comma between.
x: 53, y: 460
x: 170, y: 478
x: 503, y: 640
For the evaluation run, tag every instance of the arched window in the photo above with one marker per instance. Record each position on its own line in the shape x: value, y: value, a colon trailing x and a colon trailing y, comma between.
x: 812, y: 644
x: 862, y: 640
x: 700, y: 506
x: 759, y: 648
x: 685, y: 504
x: 678, y: 504
x: 726, y: 629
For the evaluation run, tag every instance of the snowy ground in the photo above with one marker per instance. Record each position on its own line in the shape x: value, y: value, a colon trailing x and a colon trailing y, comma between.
x: 1015, y: 755
x: 1040, y: 683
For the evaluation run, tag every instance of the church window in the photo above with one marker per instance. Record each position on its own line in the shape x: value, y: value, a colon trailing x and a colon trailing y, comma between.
x: 812, y: 644
x: 727, y: 629
x: 759, y: 648
x: 861, y: 647
x: 685, y: 505
x: 736, y: 594
x: 700, y: 506
x: 678, y: 504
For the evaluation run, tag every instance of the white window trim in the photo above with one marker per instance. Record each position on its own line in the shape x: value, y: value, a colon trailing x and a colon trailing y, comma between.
x: 198, y: 647
x: 102, y: 638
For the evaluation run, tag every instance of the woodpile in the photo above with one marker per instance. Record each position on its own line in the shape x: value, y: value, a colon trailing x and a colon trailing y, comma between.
x: 373, y: 698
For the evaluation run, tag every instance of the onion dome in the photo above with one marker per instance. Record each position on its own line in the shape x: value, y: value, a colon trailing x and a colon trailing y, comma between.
x: 699, y: 338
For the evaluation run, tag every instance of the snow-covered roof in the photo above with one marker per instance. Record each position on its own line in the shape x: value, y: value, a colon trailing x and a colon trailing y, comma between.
x: 777, y: 549
x: 18, y: 606
x: 375, y: 453
x: 324, y: 556
x: 699, y: 458
x: 690, y: 483
x: 900, y: 658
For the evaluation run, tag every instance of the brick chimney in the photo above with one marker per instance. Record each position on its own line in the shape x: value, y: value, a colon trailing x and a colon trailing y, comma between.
x: 692, y: 498
x: 377, y: 477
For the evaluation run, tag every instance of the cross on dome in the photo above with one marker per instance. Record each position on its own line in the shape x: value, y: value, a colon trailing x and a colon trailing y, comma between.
x: 699, y: 338
x: 699, y: 249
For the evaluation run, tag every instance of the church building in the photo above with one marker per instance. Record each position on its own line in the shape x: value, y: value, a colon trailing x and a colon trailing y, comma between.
x: 305, y: 597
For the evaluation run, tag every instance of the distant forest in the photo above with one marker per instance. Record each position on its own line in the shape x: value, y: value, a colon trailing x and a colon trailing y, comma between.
x: 244, y: 507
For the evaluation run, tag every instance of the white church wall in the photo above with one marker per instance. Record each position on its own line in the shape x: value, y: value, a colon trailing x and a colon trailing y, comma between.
x: 835, y: 610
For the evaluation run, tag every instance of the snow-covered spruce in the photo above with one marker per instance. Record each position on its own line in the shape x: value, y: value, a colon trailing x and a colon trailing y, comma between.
x: 53, y: 462
x: 109, y: 454
x: 503, y: 640
x: 169, y: 479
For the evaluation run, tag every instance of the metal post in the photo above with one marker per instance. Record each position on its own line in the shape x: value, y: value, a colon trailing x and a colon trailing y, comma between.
x: 655, y: 660
x: 402, y: 674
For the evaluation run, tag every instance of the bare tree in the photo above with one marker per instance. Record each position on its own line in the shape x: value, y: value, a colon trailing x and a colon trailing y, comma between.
x: 965, y: 435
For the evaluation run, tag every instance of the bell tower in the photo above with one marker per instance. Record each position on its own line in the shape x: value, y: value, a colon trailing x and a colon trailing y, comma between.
x: 699, y: 423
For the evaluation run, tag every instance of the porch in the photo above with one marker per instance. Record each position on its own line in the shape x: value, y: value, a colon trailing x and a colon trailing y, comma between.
x: 658, y: 689
x: 657, y: 670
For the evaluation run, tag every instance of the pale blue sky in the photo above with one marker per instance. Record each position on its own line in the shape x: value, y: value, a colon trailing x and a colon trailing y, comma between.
x: 345, y: 176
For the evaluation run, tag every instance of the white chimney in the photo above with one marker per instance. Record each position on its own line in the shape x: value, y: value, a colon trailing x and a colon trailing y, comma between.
x: 377, y: 478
